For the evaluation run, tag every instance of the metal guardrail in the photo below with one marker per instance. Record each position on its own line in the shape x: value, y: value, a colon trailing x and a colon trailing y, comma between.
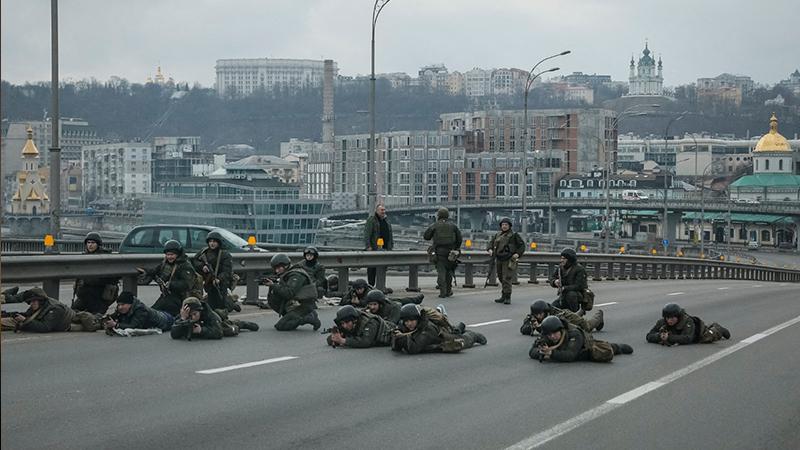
x: 52, y: 269
x: 21, y: 245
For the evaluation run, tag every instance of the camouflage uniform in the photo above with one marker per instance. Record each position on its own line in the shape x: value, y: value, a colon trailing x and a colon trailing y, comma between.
x: 181, y: 279
x: 369, y: 330
x: 446, y: 237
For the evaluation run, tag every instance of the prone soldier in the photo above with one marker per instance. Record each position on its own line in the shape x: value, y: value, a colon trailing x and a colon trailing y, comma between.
x: 358, y: 290
x: 540, y: 310
x: 198, y: 320
x: 422, y: 330
x: 44, y: 315
x: 563, y: 342
x: 676, y: 327
x: 132, y: 313
x: 359, y: 329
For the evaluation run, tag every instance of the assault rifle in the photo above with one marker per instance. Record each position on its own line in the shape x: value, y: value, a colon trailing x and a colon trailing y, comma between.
x: 332, y: 330
x: 664, y: 329
x: 162, y: 285
x: 210, y: 279
x: 6, y: 314
x: 492, y: 266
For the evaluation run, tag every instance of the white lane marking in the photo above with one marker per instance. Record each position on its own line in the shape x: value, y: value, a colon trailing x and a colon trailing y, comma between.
x: 245, y: 365
x: 606, y: 304
x: 675, y: 293
x: 562, y: 428
x: 723, y: 288
x: 489, y: 323
x: 758, y: 285
x: 635, y: 393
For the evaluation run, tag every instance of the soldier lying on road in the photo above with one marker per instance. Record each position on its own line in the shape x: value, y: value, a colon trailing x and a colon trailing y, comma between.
x: 425, y: 330
x: 359, y: 329
x: 197, y: 319
x: 563, y: 342
x: 677, y: 327
x: 132, y: 313
x: 540, y: 309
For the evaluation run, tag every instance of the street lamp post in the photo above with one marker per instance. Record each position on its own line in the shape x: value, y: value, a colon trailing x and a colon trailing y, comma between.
x: 664, y: 224
x: 55, y: 121
x: 372, y: 173
x: 528, y: 82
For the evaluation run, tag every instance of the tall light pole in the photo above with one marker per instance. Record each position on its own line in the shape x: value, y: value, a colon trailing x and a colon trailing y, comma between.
x: 664, y: 224
x: 55, y: 121
x: 372, y: 173
x: 532, y: 76
x: 703, y: 209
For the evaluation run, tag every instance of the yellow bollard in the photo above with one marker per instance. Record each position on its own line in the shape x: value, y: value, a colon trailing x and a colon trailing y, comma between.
x: 653, y: 252
x: 49, y: 241
x: 583, y: 248
x: 533, y: 245
x: 380, y: 242
x: 468, y: 243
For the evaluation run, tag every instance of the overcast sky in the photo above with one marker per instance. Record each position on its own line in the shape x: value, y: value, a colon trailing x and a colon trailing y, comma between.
x: 695, y: 38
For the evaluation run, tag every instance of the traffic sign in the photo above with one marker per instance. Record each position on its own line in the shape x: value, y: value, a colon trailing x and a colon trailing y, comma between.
x: 665, y: 242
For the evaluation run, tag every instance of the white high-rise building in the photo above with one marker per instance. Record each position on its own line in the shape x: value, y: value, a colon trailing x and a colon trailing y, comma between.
x: 478, y: 82
x: 117, y: 170
x: 242, y: 77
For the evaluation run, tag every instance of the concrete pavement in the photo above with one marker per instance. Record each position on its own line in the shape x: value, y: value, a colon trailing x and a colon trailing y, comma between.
x: 91, y: 390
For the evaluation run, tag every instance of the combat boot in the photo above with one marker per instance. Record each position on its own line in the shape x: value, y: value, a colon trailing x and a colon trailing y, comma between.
x: 596, y: 322
x: 502, y: 299
x: 724, y: 331
x: 623, y: 349
x: 244, y: 325
x: 480, y: 338
x: 507, y: 300
x: 313, y: 319
x: 459, y: 329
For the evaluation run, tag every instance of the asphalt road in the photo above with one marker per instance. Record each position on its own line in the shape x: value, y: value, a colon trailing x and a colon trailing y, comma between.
x: 75, y: 390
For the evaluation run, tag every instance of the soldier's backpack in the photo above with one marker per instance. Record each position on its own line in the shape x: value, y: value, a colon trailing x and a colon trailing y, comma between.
x: 601, y: 351
x: 587, y: 302
x: 437, y: 318
x: 196, y: 289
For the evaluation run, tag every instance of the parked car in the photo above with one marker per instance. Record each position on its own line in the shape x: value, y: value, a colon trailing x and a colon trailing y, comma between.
x: 634, y: 195
x: 753, y: 245
x: 151, y: 238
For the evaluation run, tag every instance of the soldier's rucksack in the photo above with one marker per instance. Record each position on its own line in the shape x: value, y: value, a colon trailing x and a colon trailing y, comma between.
x: 196, y: 289
x: 437, y: 318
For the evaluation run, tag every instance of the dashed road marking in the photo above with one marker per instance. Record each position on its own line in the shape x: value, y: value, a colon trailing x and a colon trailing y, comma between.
x: 605, y: 304
x: 723, y: 288
x: 245, y: 365
x: 676, y: 293
x: 565, y: 427
x: 489, y: 323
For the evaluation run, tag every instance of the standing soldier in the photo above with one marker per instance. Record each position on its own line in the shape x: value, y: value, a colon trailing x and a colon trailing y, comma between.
x: 426, y: 330
x: 446, y: 239
x: 676, y: 327
x: 563, y: 342
x: 505, y: 248
x: 293, y: 296
x: 377, y: 227
x: 95, y: 295
x: 215, y: 265
x: 570, y: 280
x: 317, y: 271
x: 45, y: 314
x: 176, y: 278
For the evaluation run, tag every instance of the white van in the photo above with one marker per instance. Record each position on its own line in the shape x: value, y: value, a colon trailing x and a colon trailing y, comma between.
x: 634, y: 195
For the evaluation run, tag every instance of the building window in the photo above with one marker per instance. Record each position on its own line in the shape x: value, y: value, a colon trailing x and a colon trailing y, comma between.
x: 563, y: 183
x: 766, y: 164
x: 765, y: 234
x: 589, y: 183
x: 780, y: 164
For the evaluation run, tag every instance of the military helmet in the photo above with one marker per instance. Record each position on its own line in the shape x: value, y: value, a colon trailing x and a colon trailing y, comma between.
x: 410, y: 312
x: 173, y: 246
x: 671, y: 310
x: 360, y: 283
x: 551, y: 324
x: 93, y: 236
x: 333, y: 282
x: 346, y: 313
x: 570, y: 255
x: 376, y: 296
x: 311, y: 249
x: 31, y: 294
x: 442, y: 213
x: 216, y: 235
x: 193, y: 303
x: 540, y: 306
x: 505, y: 220
x: 280, y: 259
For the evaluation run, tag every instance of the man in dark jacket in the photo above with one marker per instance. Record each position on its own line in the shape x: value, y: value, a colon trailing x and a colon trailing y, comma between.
x: 197, y: 320
x: 676, y: 327
x: 446, y: 238
x: 506, y: 247
x: 570, y: 280
x: 293, y: 296
x: 421, y: 331
x: 175, y: 276
x: 359, y: 329
x: 540, y: 310
x: 215, y: 265
x: 317, y: 271
x: 132, y: 313
x: 45, y: 314
x: 357, y: 292
x: 95, y: 295
x: 563, y: 342
x: 377, y: 236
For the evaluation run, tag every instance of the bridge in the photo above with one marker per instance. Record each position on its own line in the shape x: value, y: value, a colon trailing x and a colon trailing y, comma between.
x: 485, y: 397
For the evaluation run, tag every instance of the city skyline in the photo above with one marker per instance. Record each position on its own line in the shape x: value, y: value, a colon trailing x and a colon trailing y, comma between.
x: 186, y: 38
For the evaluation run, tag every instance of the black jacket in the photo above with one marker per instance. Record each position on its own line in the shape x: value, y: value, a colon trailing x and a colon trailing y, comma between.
x: 210, y: 323
x: 52, y: 316
x: 140, y: 316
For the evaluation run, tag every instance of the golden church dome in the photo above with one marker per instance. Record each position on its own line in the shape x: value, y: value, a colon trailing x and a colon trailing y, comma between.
x: 773, y: 141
